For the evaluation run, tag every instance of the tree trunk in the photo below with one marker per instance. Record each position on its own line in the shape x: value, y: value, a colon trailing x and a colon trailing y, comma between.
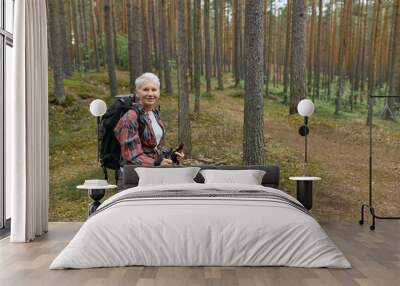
x: 165, y: 47
x: 311, y: 46
x: 276, y: 44
x: 197, y: 53
x: 184, y: 134
x: 372, y: 57
x: 202, y: 49
x: 237, y: 37
x: 109, y: 48
x: 382, y: 49
x: 77, y: 41
x: 137, y: 66
x: 268, y: 51
x: 357, y: 52
x: 94, y: 30
x: 363, y: 60
x: 124, y: 17
x: 329, y: 48
x: 83, y: 26
x: 253, y: 125
x: 217, y: 34
x: 188, y: 20
x: 298, y: 69
x: 70, y: 34
x: 228, y: 38
x: 152, y: 12
x: 49, y: 47
x: 100, y: 20
x: 332, y: 67
x: 344, y: 41
x: 171, y: 16
x: 131, y: 40
x: 222, y: 34
x: 146, y: 38
x: 287, y: 51
x: 57, y: 50
x: 207, y: 45
x: 242, y: 47
x: 318, y: 52
x: 63, y: 30
x: 394, y: 82
x: 114, y: 31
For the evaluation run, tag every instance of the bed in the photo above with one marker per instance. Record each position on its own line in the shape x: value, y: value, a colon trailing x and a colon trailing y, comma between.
x: 198, y: 224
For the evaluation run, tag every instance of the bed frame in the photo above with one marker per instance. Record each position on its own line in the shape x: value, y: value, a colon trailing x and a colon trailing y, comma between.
x: 129, y: 177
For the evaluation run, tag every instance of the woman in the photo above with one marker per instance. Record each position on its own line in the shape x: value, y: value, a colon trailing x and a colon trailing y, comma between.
x: 140, y: 131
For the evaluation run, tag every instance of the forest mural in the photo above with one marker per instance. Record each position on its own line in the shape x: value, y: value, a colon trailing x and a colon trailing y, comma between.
x: 232, y: 73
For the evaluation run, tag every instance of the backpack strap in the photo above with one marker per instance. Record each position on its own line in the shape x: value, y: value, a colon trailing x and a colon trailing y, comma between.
x: 138, y: 108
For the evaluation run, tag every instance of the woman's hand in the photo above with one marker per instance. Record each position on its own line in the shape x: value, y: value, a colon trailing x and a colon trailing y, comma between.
x: 166, y: 162
x: 180, y: 156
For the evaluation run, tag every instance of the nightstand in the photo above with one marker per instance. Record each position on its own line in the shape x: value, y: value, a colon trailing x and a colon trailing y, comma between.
x: 96, y: 190
x: 304, y: 189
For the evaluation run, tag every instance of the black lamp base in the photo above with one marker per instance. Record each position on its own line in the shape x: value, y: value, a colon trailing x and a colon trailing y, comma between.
x: 96, y: 195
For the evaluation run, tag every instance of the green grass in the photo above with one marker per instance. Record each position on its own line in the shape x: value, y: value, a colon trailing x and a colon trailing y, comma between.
x: 73, y: 144
x: 216, y: 133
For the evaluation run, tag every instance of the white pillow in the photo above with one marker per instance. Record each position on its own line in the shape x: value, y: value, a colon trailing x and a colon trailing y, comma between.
x: 165, y: 176
x: 249, y: 177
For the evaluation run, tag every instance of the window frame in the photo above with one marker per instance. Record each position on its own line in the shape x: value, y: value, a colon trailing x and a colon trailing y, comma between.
x: 6, y: 39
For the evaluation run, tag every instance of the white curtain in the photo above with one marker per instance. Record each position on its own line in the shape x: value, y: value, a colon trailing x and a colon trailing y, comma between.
x: 27, y: 148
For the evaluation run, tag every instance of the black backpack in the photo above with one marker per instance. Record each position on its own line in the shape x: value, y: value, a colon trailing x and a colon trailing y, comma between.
x: 110, y: 149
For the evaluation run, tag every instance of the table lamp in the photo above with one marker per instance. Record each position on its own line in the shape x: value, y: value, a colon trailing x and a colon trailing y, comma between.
x: 305, y: 108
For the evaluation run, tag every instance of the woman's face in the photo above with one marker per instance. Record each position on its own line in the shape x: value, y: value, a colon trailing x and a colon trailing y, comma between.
x: 148, y: 94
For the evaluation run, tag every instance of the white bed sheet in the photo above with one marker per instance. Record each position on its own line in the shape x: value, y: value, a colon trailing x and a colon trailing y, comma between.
x: 200, y: 232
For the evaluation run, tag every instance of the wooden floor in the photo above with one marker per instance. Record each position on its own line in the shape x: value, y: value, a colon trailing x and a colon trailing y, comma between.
x: 375, y: 257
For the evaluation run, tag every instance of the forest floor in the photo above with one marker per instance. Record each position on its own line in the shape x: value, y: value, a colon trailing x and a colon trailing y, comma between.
x: 338, y: 147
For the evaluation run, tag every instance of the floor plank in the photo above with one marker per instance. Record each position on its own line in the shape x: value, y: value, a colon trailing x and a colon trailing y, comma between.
x: 375, y: 257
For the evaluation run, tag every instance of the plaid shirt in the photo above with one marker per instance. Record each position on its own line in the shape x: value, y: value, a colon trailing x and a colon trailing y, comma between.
x: 139, y: 149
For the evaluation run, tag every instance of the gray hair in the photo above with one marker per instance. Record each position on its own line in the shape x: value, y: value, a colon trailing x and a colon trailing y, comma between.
x: 148, y: 76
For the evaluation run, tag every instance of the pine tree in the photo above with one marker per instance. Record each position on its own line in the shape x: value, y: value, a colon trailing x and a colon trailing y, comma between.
x: 184, y: 134
x: 110, y: 48
x: 344, y: 42
x: 67, y: 68
x: 165, y: 47
x: 207, y: 45
x: 298, y: 69
x: 253, y: 125
x: 218, y: 49
x: 197, y: 53
x: 57, y: 50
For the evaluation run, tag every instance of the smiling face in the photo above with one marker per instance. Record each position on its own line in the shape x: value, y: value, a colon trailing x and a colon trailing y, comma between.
x: 148, y: 93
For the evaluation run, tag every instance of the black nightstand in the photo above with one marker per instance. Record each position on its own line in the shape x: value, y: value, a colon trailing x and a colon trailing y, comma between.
x: 304, y: 189
x: 96, y: 190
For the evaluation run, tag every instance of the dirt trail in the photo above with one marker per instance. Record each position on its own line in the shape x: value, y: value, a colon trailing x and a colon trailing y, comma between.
x: 344, y: 168
x: 340, y: 154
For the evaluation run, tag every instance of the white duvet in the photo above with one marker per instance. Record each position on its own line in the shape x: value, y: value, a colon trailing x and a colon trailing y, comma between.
x: 200, y: 231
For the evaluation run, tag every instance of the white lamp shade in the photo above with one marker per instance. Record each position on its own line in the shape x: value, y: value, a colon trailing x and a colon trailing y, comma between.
x: 98, y: 107
x: 305, y: 107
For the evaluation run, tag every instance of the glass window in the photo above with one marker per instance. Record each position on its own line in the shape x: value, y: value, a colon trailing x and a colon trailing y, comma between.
x: 1, y: 14
x: 9, y: 15
x: 2, y: 195
x: 9, y: 60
